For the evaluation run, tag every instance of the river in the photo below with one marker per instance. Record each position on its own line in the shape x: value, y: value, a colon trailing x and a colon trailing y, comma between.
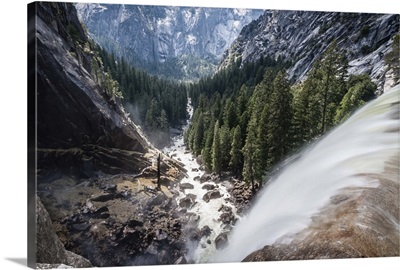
x: 208, y: 213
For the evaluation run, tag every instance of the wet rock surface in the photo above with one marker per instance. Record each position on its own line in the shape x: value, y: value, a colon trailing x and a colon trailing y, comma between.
x: 130, y: 226
x: 355, y: 224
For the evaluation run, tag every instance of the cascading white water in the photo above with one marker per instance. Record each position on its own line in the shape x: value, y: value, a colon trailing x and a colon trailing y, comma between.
x: 207, y: 211
x: 359, y: 146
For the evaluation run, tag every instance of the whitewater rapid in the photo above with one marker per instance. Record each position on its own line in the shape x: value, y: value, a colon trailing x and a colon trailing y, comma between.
x: 208, y: 212
x: 341, y: 159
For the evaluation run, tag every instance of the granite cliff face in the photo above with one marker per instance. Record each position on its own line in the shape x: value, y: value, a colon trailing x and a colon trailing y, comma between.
x: 170, y: 39
x: 77, y: 121
x: 301, y: 37
x: 93, y: 164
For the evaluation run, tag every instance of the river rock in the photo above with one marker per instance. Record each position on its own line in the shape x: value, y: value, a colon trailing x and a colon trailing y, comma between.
x: 200, y: 160
x: 192, y: 196
x: 196, y: 178
x: 205, y: 178
x: 211, y: 195
x: 185, y: 202
x: 205, y: 231
x: 195, y: 236
x: 181, y: 260
x: 159, y: 199
x: 221, y: 241
x: 186, y: 186
x: 193, y: 220
x: 195, y: 169
x: 208, y: 186
x: 164, y: 257
x: 227, y: 218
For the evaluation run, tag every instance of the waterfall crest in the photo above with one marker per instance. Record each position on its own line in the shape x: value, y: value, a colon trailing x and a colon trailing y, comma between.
x: 346, y: 162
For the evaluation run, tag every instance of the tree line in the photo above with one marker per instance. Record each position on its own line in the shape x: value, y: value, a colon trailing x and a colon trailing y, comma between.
x: 155, y: 103
x: 249, y: 117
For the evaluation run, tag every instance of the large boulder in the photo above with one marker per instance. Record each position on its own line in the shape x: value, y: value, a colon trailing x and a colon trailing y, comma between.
x: 221, y: 241
x: 208, y: 186
x: 186, y: 186
x: 211, y: 195
x: 49, y: 249
x: 186, y: 202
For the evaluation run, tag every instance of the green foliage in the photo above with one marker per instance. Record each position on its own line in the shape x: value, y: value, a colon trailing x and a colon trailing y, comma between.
x: 207, y: 150
x: 156, y: 104
x: 226, y: 141
x: 198, y: 135
x: 364, y: 31
x: 216, y: 150
x: 361, y: 90
x: 393, y: 59
x: 279, y: 120
x: 74, y: 33
x: 365, y: 49
x: 321, y: 93
x: 249, y: 152
x: 111, y: 87
x: 236, y: 161
x: 248, y: 117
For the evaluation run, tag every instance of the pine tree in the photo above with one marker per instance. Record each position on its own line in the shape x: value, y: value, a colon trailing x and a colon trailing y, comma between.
x: 163, y: 121
x: 236, y: 162
x: 262, y: 139
x: 198, y: 135
x: 226, y: 141
x: 216, y: 150
x: 333, y: 68
x: 250, y: 170
x: 361, y: 90
x: 230, y: 116
x: 279, y: 122
x: 207, y: 150
x: 393, y: 59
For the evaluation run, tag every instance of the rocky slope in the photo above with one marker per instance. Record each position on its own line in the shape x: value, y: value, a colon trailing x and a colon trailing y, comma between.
x: 77, y: 120
x: 50, y: 251
x: 165, y: 39
x: 301, y: 37
x: 95, y: 171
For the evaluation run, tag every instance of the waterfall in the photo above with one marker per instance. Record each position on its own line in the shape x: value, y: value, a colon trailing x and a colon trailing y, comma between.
x: 339, y: 160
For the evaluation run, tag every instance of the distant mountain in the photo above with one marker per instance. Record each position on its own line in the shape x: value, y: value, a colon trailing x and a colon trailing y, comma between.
x: 301, y: 37
x: 179, y: 42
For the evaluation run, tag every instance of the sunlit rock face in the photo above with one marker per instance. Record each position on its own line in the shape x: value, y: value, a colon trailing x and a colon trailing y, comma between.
x: 177, y: 36
x: 302, y: 36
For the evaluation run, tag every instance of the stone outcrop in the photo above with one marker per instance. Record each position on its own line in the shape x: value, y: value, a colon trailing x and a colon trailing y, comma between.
x: 116, y: 220
x: 81, y: 129
x: 49, y: 249
x: 187, y: 40
x: 302, y: 36
x: 211, y: 195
